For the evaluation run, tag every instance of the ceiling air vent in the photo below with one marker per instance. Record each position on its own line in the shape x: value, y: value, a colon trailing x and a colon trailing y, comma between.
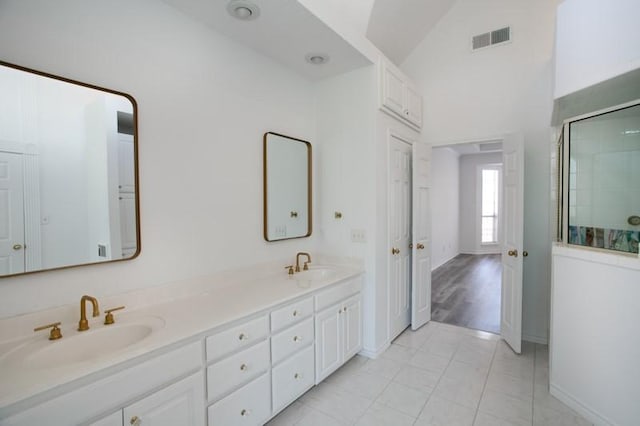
x: 481, y: 41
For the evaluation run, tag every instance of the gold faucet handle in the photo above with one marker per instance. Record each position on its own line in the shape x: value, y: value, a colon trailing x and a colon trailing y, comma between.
x: 290, y: 268
x: 306, y: 265
x: 55, y: 333
x: 108, y: 318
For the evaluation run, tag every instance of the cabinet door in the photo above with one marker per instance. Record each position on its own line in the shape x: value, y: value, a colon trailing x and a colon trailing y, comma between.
x: 393, y: 90
x: 413, y: 113
x: 352, y: 318
x: 179, y: 404
x: 114, y: 419
x: 328, y: 342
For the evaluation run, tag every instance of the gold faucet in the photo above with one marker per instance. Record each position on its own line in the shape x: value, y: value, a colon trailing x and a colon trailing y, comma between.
x: 84, y: 324
x: 306, y: 264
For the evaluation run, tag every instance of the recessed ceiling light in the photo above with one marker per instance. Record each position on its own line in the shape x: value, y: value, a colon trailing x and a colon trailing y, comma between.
x: 317, y: 58
x: 243, y: 10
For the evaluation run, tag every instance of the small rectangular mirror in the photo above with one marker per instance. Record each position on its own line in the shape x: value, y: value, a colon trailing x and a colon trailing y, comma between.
x: 68, y: 173
x: 287, y: 187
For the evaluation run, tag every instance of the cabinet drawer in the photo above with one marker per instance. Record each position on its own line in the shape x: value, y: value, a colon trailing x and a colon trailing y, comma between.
x: 291, y: 313
x: 236, y: 370
x: 291, y: 340
x: 236, y: 338
x: 248, y: 406
x: 337, y: 293
x: 292, y: 378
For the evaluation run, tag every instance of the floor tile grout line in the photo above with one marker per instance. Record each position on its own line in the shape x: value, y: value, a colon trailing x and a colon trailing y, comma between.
x: 484, y: 386
x: 435, y: 387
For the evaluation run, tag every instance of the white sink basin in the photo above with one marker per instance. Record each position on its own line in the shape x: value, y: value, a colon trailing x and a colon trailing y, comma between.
x: 317, y: 273
x: 76, y: 347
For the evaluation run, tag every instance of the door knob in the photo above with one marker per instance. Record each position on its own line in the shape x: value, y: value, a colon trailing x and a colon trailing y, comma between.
x: 420, y: 246
x: 395, y: 250
x: 513, y: 253
x: 525, y: 253
x: 17, y: 246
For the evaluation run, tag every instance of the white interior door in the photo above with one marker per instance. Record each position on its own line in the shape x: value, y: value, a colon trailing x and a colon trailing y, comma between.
x: 512, y: 248
x: 399, y: 235
x: 11, y: 214
x: 421, y: 224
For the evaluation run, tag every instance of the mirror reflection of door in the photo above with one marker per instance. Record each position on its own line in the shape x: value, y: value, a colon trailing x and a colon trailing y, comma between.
x: 67, y: 171
x: 11, y: 214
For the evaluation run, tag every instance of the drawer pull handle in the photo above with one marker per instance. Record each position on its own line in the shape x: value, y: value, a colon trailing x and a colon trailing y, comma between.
x: 345, y: 309
x: 244, y: 367
x: 243, y: 336
x: 135, y: 421
x: 340, y: 311
x: 297, y: 376
x: 244, y: 413
x: 296, y: 313
x: 297, y: 338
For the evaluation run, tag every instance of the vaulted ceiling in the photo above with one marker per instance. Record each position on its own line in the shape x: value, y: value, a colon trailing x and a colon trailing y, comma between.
x: 396, y: 27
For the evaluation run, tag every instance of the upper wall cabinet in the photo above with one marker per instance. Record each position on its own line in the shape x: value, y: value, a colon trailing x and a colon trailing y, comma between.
x: 398, y: 97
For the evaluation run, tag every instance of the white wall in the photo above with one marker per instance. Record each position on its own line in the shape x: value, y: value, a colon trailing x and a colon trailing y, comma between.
x: 203, y: 108
x: 347, y: 184
x: 445, y: 206
x: 596, y: 40
x: 479, y: 95
x: 469, y: 198
x: 595, y: 345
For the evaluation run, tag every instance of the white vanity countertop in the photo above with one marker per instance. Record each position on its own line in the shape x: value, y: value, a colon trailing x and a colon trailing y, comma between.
x: 185, y: 318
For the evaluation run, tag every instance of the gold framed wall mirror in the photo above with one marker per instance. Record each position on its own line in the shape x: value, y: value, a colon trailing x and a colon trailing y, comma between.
x: 68, y: 173
x: 287, y: 187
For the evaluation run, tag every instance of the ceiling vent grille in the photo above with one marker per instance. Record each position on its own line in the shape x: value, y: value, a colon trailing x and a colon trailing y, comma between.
x: 491, y: 38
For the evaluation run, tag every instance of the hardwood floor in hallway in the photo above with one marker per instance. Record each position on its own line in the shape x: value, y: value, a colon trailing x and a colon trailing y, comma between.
x: 466, y: 292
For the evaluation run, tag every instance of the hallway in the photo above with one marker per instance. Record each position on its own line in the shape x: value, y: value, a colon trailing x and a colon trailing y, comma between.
x: 466, y: 292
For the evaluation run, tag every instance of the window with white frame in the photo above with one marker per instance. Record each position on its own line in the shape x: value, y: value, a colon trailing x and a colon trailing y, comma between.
x: 490, y: 203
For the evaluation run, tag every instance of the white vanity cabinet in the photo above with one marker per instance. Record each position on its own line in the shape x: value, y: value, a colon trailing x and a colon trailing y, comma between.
x: 258, y: 368
x: 398, y: 97
x: 241, y: 372
x: 181, y: 403
x: 338, y: 328
x: 292, y: 353
x: 238, y: 378
x: 171, y: 384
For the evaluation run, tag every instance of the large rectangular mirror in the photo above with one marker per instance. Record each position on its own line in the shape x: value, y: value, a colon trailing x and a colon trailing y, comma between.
x: 287, y: 187
x: 68, y: 173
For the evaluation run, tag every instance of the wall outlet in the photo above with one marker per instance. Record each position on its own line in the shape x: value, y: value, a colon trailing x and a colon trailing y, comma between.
x: 358, y: 236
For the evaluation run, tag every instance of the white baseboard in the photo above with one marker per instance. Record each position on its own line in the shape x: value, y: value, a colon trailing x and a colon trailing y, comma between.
x: 477, y: 252
x: 579, y: 407
x: 375, y: 353
x: 535, y: 339
x: 434, y: 267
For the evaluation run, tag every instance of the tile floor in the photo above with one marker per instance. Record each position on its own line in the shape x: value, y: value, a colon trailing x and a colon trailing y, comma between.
x: 440, y: 375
